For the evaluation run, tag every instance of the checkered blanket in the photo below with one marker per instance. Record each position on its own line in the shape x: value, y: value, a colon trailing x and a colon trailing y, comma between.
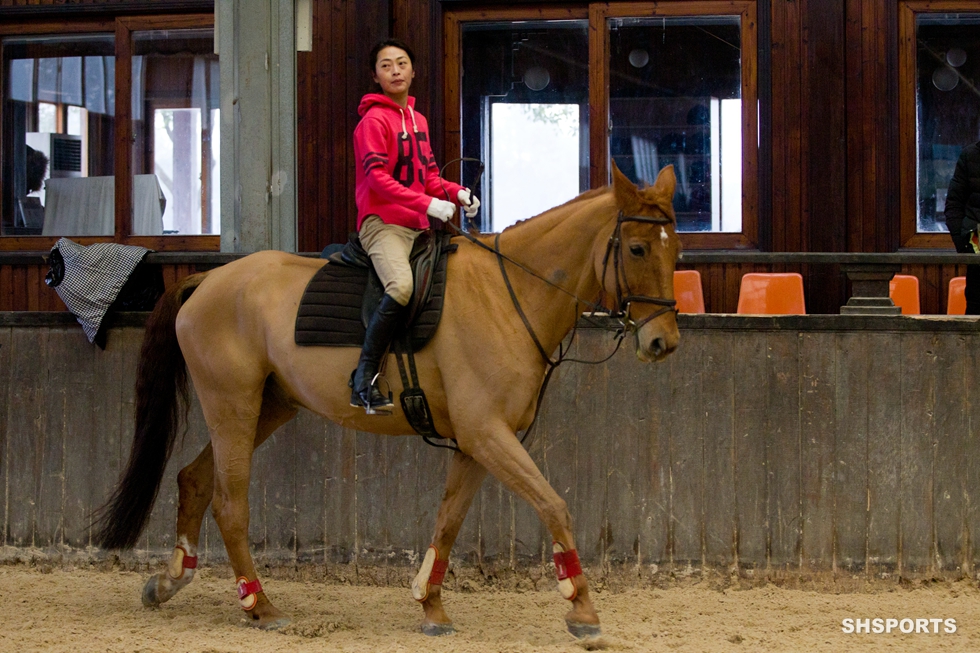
x: 93, y: 277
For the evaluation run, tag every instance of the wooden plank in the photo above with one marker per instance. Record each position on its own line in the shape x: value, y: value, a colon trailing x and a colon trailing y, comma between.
x: 919, y: 379
x: 884, y: 396
x: 971, y: 376
x: 25, y: 434
x: 74, y: 400
x: 6, y: 401
x: 783, y: 450
x: 751, y: 478
x: 687, y: 456
x: 718, y: 391
x: 305, y: 433
x: 818, y: 369
x: 405, y: 527
x: 851, y: 451
x: 626, y: 427
x: 339, y: 452
x: 371, y: 516
x: 656, y: 541
x: 954, y: 452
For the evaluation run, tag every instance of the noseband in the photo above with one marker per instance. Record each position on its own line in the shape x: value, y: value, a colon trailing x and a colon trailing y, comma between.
x: 624, y: 295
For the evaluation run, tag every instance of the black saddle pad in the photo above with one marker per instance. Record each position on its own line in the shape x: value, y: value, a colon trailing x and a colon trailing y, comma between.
x: 330, y: 310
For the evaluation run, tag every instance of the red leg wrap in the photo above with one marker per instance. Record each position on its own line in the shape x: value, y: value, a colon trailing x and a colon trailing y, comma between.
x: 253, y: 587
x: 190, y: 562
x: 439, y: 568
x: 567, y: 564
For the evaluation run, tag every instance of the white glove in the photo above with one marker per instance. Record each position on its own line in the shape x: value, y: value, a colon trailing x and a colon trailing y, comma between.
x: 441, y: 209
x: 469, y: 202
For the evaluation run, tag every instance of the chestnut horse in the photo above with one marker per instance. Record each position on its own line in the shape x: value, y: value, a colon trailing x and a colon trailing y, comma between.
x: 232, y: 329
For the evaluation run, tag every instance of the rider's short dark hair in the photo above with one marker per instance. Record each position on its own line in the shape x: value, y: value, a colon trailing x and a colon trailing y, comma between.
x: 389, y: 43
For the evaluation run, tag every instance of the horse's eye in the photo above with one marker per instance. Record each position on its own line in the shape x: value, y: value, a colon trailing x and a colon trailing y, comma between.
x: 637, y: 250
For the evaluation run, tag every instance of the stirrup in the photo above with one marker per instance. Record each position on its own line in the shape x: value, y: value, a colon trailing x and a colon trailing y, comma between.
x: 375, y: 403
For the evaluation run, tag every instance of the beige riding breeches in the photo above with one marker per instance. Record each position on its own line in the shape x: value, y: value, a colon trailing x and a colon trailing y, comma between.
x: 390, y: 246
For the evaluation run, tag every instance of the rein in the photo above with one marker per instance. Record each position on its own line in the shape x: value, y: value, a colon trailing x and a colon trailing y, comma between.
x: 624, y: 301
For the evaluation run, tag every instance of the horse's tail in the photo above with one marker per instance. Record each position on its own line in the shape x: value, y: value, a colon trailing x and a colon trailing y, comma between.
x: 161, y: 405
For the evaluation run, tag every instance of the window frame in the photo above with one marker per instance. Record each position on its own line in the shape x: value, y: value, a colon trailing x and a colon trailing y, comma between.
x: 121, y: 28
x: 597, y: 15
x: 908, y: 125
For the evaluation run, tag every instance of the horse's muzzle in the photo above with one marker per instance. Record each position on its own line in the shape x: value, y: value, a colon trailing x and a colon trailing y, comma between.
x: 656, y: 346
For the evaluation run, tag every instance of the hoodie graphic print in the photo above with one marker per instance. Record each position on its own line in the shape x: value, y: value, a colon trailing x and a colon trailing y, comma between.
x: 397, y: 175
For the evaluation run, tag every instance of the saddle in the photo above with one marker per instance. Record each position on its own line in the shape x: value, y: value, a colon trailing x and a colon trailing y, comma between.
x: 343, y: 295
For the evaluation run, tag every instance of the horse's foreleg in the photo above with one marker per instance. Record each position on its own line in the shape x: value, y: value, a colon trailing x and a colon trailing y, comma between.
x: 464, y: 479
x: 503, y: 456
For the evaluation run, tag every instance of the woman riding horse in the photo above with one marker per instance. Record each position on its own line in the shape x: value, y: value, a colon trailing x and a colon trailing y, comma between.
x: 397, y: 181
x: 516, y: 294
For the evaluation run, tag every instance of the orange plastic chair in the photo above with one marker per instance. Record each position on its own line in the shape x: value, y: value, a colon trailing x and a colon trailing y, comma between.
x: 904, y: 291
x: 956, y: 302
x: 771, y: 293
x: 687, y: 291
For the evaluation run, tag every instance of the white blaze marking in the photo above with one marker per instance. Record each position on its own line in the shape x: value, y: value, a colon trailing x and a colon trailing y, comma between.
x: 663, y: 237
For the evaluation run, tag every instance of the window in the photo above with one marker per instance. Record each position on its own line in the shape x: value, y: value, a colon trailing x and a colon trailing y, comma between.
x: 58, y: 107
x: 174, y: 111
x: 549, y: 98
x: 940, y: 111
x: 675, y: 99
x: 142, y: 171
x: 525, y: 92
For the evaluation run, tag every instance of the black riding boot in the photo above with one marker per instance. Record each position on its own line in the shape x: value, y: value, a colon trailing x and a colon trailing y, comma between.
x: 380, y: 330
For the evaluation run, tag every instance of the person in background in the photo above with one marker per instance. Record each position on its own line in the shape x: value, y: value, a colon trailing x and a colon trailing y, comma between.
x: 398, y: 189
x: 30, y: 212
x: 963, y: 217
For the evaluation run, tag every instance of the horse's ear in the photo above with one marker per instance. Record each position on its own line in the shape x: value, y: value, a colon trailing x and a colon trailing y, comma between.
x: 665, y: 185
x: 627, y: 194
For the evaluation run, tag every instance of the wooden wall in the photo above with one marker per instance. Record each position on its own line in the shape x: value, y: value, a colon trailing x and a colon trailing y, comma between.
x: 22, y: 286
x: 841, y: 446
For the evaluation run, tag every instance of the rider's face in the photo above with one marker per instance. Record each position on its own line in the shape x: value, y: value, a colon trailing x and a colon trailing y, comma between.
x: 393, y: 71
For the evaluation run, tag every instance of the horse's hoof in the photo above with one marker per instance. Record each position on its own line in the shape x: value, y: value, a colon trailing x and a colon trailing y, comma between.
x: 150, y: 599
x: 273, y: 624
x: 436, y: 630
x: 583, y: 631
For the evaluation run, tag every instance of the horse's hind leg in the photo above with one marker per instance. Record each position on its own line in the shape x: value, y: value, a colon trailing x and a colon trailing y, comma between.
x: 464, y: 479
x: 196, y: 486
x: 498, y: 449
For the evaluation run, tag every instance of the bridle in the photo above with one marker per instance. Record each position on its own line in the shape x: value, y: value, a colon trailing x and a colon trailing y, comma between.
x: 625, y: 297
x: 625, y: 300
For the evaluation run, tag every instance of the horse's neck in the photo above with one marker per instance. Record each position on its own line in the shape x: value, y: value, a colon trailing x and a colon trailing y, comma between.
x: 560, y: 246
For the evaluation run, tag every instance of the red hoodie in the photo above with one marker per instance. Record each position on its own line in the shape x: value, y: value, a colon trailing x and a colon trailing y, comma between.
x: 397, y: 175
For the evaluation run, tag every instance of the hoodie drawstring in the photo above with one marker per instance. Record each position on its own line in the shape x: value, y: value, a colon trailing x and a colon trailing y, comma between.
x: 415, y: 126
x: 411, y: 111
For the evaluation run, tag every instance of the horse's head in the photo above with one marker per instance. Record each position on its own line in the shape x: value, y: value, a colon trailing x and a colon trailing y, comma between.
x: 638, y: 267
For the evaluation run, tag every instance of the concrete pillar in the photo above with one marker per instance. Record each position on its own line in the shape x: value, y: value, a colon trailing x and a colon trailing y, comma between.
x: 256, y: 47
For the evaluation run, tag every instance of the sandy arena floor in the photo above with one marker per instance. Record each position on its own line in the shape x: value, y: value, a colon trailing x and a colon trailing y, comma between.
x: 82, y: 611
